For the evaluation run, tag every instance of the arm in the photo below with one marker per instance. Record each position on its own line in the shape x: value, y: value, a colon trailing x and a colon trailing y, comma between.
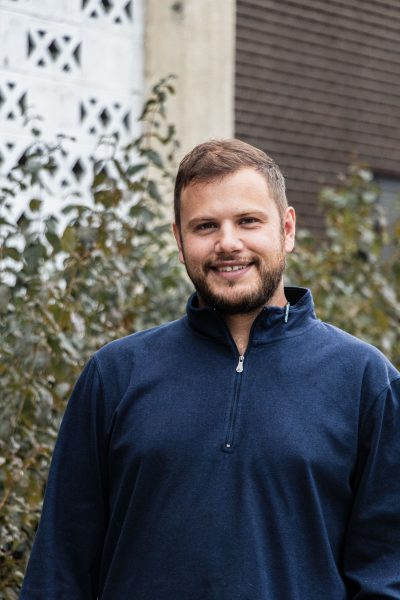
x: 372, y: 549
x: 65, y: 558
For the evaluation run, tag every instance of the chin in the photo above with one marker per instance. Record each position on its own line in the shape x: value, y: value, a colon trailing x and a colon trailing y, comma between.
x: 236, y: 303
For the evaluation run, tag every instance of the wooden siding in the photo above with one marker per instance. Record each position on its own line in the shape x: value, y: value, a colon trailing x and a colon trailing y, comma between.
x: 317, y: 85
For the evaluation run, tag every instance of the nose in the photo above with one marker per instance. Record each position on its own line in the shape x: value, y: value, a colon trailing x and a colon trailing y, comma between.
x: 228, y: 240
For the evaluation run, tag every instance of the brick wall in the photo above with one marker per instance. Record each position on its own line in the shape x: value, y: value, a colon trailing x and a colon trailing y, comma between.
x: 318, y: 83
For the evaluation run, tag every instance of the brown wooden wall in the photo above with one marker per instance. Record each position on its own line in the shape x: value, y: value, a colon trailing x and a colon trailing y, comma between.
x: 317, y: 84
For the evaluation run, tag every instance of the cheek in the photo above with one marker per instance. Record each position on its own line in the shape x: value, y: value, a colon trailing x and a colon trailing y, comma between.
x: 263, y: 243
x: 197, y: 250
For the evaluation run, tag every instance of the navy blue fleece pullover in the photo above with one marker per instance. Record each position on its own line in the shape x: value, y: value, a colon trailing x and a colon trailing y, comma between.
x: 183, y: 472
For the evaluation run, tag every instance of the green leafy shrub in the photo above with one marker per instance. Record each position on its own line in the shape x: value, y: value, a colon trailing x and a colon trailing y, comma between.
x: 66, y: 288
x: 354, y: 272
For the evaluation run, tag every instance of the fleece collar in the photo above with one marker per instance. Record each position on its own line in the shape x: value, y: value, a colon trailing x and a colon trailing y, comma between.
x: 272, y: 324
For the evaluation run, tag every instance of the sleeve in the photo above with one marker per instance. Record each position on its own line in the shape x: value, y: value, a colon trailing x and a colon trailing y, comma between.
x: 65, y: 559
x: 372, y: 548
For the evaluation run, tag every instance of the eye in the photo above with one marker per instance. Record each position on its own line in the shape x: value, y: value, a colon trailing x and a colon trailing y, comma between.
x: 249, y: 221
x: 205, y: 226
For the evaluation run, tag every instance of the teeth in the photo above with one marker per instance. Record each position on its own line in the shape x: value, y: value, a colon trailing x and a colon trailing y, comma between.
x: 228, y: 269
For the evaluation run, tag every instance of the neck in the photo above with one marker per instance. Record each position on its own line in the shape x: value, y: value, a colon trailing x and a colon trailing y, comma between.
x: 240, y: 325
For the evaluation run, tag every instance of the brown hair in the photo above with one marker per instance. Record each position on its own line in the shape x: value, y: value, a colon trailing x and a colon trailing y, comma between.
x: 215, y: 159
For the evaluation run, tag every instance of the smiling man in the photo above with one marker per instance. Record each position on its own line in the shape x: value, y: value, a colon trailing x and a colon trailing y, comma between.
x: 233, y: 236
x: 246, y: 451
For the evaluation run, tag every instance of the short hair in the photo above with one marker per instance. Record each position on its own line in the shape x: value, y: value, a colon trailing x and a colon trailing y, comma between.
x: 215, y: 159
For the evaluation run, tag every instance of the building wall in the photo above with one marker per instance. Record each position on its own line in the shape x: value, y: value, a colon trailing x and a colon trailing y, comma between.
x: 78, y: 65
x: 317, y: 86
x: 195, y: 41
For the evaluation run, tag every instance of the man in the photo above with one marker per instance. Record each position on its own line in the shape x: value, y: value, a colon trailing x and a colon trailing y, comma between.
x: 244, y: 452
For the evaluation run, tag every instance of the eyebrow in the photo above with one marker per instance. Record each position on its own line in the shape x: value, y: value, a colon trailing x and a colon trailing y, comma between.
x: 253, y: 213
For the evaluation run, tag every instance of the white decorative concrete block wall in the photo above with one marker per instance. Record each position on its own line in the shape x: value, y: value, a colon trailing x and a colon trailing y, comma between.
x: 78, y: 65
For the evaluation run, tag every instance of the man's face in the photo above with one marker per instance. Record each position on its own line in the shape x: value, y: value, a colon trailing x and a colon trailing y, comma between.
x: 233, y: 242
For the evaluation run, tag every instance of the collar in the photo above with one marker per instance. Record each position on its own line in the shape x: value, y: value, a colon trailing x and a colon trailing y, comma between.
x: 271, y: 324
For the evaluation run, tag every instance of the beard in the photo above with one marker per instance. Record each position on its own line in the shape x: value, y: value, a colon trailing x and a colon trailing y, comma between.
x: 246, y: 300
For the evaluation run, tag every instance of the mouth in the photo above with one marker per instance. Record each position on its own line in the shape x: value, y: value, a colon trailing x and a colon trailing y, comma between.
x: 231, y: 270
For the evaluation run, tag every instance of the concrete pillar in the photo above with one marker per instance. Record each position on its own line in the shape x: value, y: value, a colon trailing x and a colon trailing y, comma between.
x: 194, y: 39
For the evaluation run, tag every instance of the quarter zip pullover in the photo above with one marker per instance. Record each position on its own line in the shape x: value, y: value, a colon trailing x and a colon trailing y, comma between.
x: 184, y: 471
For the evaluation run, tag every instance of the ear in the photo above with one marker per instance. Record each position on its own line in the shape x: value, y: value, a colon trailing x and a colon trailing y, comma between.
x: 289, y: 229
x: 178, y: 238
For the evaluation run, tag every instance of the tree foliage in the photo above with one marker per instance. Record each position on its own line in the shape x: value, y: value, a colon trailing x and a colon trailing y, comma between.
x: 354, y: 272
x: 68, y: 285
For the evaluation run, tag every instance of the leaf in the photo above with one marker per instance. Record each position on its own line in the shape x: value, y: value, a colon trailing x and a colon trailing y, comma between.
x: 5, y: 296
x: 35, y: 204
x: 69, y: 240
x: 71, y: 208
x: 23, y: 222
x: 153, y: 191
x: 11, y: 252
x: 53, y: 240
x: 108, y: 198
x: 154, y: 157
x: 134, y: 169
x: 33, y: 255
x: 100, y: 178
x: 51, y: 223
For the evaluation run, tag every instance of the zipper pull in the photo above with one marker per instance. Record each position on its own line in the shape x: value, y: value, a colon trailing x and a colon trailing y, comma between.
x: 239, y: 367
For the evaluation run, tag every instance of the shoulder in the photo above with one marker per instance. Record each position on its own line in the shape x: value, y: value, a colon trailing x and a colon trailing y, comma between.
x: 111, y: 369
x: 123, y: 351
x: 360, y: 357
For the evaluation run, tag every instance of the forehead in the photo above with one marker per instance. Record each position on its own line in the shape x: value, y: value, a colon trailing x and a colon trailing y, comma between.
x: 243, y: 190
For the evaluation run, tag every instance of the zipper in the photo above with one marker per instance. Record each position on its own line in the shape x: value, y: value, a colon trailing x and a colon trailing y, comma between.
x: 228, y: 444
x: 239, y: 367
